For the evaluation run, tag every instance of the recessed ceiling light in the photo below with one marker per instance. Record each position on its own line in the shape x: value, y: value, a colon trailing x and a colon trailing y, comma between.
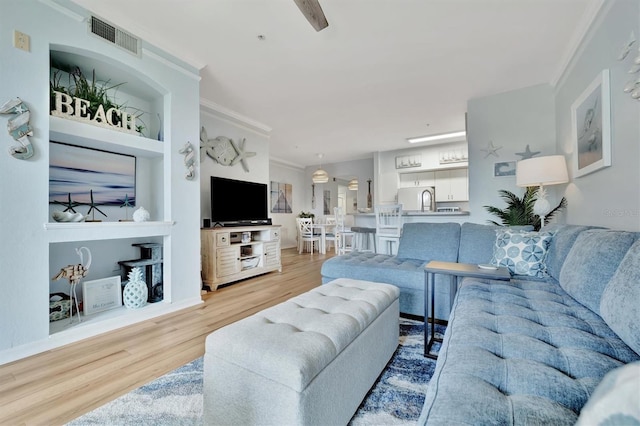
x: 441, y: 136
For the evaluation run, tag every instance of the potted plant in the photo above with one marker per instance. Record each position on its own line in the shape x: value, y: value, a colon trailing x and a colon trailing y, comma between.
x: 519, y: 211
x: 94, y: 92
x: 305, y: 214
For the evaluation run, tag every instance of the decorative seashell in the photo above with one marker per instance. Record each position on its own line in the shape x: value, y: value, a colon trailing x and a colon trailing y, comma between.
x: 141, y: 215
x: 59, y: 216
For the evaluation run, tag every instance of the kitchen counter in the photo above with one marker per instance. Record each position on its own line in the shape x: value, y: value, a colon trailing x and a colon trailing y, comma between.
x: 409, y: 216
x: 420, y: 213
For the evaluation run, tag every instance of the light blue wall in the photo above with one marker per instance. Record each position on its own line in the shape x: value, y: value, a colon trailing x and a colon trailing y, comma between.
x: 609, y: 197
x: 511, y: 121
x: 24, y: 187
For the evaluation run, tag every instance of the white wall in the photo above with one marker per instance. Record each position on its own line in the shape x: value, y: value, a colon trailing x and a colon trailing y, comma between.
x: 255, y: 141
x: 284, y: 173
x: 346, y: 170
x: 609, y: 197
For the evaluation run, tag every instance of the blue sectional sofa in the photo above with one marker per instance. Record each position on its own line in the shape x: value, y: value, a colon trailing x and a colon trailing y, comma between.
x: 419, y: 244
x: 533, y: 350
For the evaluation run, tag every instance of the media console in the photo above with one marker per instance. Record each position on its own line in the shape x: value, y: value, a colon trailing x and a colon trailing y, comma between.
x: 239, y: 252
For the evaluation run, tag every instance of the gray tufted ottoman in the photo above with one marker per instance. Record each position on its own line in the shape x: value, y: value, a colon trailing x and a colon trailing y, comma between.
x: 308, y: 361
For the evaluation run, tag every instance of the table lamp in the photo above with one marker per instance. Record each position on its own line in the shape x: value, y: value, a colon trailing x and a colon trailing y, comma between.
x: 540, y: 171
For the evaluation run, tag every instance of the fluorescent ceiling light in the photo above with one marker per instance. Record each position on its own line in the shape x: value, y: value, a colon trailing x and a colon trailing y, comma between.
x: 437, y: 137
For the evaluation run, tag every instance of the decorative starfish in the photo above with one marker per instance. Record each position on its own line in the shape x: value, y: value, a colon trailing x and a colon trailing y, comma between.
x: 242, y: 155
x: 125, y: 202
x: 206, y: 145
x: 527, y: 153
x: 93, y: 206
x: 69, y: 204
x: 491, y: 150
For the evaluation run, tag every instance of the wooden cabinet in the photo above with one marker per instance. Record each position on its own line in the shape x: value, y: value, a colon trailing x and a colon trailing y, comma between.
x: 232, y: 254
x: 452, y: 185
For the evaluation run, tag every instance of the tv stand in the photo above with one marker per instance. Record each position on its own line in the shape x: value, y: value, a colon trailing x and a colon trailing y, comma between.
x: 259, y: 222
x: 230, y: 255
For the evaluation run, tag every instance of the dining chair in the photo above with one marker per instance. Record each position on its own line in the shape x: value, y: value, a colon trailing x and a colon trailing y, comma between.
x: 388, y: 227
x: 306, y: 236
x: 343, y: 234
x: 330, y: 232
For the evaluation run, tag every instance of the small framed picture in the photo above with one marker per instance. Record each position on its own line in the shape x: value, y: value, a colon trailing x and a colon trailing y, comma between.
x: 504, y: 168
x: 101, y: 295
x: 591, y: 117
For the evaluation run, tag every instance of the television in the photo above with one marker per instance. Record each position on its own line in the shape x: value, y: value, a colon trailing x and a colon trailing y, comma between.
x: 238, y: 203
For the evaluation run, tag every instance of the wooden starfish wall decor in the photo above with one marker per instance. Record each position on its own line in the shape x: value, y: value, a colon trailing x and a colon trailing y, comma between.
x: 224, y: 151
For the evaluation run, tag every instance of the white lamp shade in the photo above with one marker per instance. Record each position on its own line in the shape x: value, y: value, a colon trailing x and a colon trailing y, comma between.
x: 536, y: 171
x: 353, y: 185
x: 320, y: 176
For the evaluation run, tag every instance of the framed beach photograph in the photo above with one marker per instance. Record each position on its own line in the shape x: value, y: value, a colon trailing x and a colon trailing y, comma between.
x: 75, y: 172
x: 591, y: 118
x: 504, y: 168
x: 101, y: 295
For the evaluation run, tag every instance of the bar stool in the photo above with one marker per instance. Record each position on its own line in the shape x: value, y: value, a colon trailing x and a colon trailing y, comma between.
x: 364, y: 239
x: 389, y: 227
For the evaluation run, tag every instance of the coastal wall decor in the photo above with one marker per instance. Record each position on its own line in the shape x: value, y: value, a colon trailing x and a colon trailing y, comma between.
x: 504, y: 168
x: 189, y: 160
x: 281, y: 197
x: 224, y: 150
x: 527, y: 153
x: 591, y: 118
x: 76, y: 173
x: 491, y: 150
x: 19, y: 128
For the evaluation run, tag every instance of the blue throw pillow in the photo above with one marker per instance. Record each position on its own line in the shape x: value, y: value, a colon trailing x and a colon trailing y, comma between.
x: 522, y: 252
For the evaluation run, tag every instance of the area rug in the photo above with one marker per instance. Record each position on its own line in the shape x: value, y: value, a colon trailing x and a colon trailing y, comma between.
x: 176, y: 398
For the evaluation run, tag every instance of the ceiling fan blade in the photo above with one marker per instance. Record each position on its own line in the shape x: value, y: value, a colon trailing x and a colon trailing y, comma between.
x: 313, y: 12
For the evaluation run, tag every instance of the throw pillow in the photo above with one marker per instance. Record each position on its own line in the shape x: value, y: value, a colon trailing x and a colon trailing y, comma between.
x: 615, y: 399
x: 523, y: 253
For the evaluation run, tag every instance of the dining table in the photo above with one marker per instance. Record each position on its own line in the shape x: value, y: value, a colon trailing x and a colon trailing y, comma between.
x: 323, y: 227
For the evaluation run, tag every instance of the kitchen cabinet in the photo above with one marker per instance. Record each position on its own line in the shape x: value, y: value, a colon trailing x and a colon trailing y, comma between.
x: 452, y: 185
x: 408, y: 180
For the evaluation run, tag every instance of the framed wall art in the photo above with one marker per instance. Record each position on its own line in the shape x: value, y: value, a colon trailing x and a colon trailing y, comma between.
x: 101, y: 295
x: 591, y: 119
x: 76, y: 171
x: 504, y: 168
x: 281, y: 197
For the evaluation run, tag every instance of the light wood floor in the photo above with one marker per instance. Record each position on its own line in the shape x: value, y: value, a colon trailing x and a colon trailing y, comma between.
x: 59, y: 385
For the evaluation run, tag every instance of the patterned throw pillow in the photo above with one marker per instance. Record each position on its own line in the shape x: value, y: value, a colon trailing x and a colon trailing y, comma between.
x: 615, y: 400
x: 523, y: 253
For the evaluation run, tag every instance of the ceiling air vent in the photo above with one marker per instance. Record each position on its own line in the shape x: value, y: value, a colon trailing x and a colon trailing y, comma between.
x: 114, y: 35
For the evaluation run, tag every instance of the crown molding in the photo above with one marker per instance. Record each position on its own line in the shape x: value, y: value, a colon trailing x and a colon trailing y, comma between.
x: 287, y: 164
x: 591, y: 20
x: 218, y: 111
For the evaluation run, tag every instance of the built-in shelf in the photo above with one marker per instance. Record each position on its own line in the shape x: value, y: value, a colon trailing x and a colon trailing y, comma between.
x: 59, y: 232
x: 87, y: 135
x: 111, y: 319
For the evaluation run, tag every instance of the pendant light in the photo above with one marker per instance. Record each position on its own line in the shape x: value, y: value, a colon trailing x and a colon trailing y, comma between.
x: 320, y: 176
x: 353, y: 185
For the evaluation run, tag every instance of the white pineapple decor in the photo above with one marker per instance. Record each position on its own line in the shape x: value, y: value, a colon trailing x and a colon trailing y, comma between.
x: 135, y: 292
